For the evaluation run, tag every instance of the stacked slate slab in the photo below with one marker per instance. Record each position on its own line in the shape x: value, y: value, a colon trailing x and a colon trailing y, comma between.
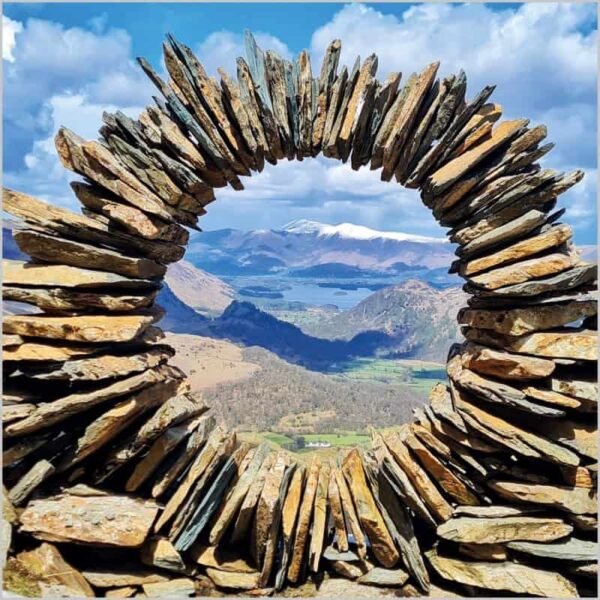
x: 107, y: 453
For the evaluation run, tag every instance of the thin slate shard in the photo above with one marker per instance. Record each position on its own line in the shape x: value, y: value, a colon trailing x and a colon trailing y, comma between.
x: 289, y: 515
x: 207, y: 506
x: 358, y: 108
x: 237, y: 495
x: 304, y: 520
x: 330, y: 147
x: 326, y: 80
x: 405, y: 120
x: 256, y: 63
x: 248, y: 99
x: 257, y: 72
x: 292, y: 102
x: 275, y: 71
x: 337, y: 94
x: 273, y: 537
x: 238, y: 112
x: 304, y: 94
x: 384, y: 97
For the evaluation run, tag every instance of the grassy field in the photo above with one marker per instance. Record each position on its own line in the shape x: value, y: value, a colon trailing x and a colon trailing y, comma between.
x: 275, y: 440
x: 338, y: 439
x: 418, y: 375
x: 278, y: 440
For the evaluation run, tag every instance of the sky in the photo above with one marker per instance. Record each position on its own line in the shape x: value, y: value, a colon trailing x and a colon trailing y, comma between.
x: 64, y: 64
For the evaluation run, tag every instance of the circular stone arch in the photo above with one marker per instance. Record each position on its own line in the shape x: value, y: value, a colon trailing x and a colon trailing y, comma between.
x: 107, y: 448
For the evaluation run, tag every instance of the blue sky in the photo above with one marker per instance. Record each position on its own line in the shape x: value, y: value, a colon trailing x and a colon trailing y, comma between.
x: 65, y: 64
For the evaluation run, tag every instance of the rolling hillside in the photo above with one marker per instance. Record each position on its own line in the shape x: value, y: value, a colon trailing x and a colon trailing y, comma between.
x: 395, y: 325
x: 416, y: 319
x: 179, y: 317
x: 198, y: 289
x: 255, y: 390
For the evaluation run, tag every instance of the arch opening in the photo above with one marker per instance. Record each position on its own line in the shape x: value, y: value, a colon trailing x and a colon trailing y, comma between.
x: 354, y: 320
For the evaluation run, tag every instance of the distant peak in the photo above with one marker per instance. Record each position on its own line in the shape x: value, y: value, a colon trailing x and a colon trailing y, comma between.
x: 304, y: 226
x: 413, y: 284
x: 352, y: 231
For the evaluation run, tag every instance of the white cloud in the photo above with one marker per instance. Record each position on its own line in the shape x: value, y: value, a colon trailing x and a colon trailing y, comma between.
x: 572, y: 127
x: 70, y: 53
x: 536, y: 54
x: 64, y: 76
x: 10, y: 29
x: 313, y: 181
x: 580, y: 202
x: 43, y: 175
x: 320, y: 189
x: 98, y: 24
x: 48, y: 58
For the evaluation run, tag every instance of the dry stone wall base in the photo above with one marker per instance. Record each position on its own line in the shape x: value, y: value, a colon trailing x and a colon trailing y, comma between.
x: 106, y: 448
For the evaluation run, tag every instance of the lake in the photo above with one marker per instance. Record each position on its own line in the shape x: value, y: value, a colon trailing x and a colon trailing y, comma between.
x: 311, y: 293
x: 343, y: 293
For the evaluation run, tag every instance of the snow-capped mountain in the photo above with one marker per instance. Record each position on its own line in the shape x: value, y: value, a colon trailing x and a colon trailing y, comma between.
x: 304, y: 244
x: 356, y: 232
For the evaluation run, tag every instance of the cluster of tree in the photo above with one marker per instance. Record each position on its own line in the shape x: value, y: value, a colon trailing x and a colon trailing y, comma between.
x: 279, y: 390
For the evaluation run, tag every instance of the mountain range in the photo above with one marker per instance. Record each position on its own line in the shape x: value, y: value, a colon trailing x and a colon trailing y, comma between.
x: 409, y: 320
x: 303, y: 244
x: 418, y: 319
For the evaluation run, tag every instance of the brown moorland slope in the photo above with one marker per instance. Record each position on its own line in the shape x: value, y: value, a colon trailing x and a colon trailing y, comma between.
x: 198, y: 289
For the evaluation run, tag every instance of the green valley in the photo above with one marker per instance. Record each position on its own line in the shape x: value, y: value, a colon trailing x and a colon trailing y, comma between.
x: 417, y: 375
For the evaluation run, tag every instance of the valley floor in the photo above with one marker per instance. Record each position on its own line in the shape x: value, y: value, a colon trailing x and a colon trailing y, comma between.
x: 268, y: 399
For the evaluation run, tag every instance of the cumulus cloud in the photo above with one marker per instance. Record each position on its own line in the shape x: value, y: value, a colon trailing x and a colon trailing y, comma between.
x: 580, y: 201
x: 312, y: 181
x: 320, y: 189
x: 62, y: 76
x: 10, y: 29
x: 47, y: 57
x: 537, y: 50
x: 43, y: 174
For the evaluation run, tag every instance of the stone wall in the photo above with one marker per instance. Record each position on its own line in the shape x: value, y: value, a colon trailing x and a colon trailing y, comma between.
x: 492, y: 487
